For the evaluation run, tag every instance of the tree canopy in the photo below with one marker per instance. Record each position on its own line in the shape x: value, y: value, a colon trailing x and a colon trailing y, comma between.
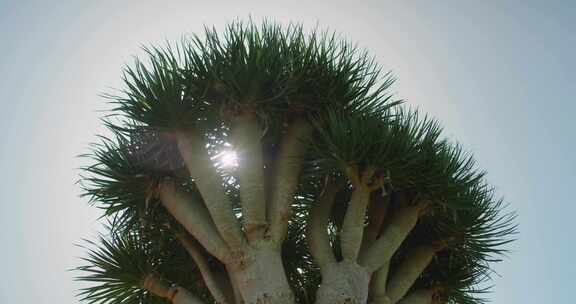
x: 332, y: 174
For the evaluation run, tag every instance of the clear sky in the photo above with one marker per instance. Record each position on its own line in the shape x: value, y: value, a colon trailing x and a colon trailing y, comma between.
x: 498, y: 74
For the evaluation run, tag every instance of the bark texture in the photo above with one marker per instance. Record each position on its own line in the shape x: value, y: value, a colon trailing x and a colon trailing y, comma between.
x: 343, y: 283
x: 260, y: 277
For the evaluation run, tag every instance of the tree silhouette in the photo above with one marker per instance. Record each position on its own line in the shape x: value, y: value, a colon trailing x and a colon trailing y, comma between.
x: 271, y: 165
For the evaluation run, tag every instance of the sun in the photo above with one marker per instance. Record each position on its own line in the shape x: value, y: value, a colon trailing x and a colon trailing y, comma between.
x: 226, y: 159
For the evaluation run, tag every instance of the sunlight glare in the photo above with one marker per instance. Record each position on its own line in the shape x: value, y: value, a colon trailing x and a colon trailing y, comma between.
x: 227, y: 159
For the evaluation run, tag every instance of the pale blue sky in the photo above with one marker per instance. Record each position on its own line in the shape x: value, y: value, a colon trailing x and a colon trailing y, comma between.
x: 498, y: 74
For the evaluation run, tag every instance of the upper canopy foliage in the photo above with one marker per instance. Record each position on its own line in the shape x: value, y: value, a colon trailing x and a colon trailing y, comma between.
x: 270, y: 69
x: 283, y: 74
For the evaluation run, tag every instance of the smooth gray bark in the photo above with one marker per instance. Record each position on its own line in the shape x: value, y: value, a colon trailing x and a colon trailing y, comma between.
x: 344, y: 283
x: 260, y: 277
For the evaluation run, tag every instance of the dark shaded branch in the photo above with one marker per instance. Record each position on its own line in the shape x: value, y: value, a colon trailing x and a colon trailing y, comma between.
x: 377, y: 214
x: 378, y: 284
x: 193, y: 215
x: 318, y: 240
x: 287, y: 169
x: 422, y: 296
x: 408, y: 271
x: 353, y: 225
x: 216, y: 287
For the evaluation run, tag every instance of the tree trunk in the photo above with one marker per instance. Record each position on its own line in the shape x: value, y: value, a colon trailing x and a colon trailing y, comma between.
x: 344, y: 283
x: 260, y: 277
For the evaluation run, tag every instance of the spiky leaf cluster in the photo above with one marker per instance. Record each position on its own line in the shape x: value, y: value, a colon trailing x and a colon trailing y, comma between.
x: 267, y: 68
x: 120, y: 262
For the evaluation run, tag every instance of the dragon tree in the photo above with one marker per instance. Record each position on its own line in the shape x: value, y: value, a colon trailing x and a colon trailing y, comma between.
x: 268, y: 164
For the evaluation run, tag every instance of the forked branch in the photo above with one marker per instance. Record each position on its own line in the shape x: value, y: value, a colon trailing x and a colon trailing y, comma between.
x: 353, y: 226
x: 193, y: 215
x: 216, y: 287
x: 377, y: 213
x: 406, y: 274
x: 401, y: 224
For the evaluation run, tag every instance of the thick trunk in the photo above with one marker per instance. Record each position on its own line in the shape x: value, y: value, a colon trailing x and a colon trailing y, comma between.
x: 344, y: 283
x: 259, y: 276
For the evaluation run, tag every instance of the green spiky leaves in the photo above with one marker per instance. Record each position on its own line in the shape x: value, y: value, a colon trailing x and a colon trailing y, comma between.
x: 118, y: 267
x: 126, y: 171
x: 383, y: 142
x: 268, y: 69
